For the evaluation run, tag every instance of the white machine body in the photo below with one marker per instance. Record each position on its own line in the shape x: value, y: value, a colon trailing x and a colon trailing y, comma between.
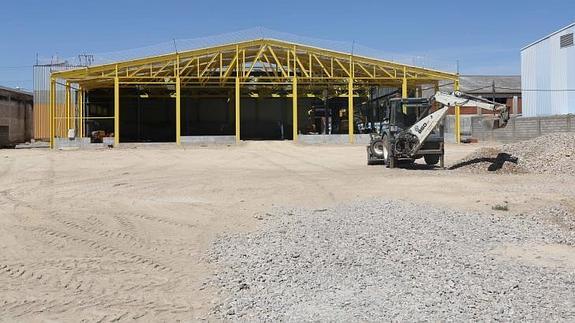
x: 424, y: 127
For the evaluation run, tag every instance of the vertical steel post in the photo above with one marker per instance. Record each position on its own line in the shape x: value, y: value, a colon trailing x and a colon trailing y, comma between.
x: 238, y: 97
x: 294, y: 108
x: 294, y: 98
x: 52, y: 110
x: 457, y: 117
x: 350, y: 102
x: 78, y: 119
x: 116, y: 111
x: 404, y: 91
x: 178, y: 111
x: 238, y: 91
x: 178, y: 102
x: 350, y: 110
x: 68, y: 104
x: 404, y: 88
x: 82, y: 102
x: 404, y: 84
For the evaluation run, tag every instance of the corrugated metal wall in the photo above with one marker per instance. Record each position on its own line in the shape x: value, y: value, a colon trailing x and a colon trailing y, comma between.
x: 548, y: 77
x: 42, y: 100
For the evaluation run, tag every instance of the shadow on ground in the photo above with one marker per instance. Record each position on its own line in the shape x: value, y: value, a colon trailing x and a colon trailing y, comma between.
x: 496, y: 163
x: 410, y: 166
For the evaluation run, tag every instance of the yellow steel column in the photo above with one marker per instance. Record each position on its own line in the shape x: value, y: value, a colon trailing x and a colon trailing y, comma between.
x: 116, y: 111
x: 350, y: 110
x: 238, y: 91
x: 68, y: 104
x: 51, y: 110
x: 404, y: 88
x: 77, y: 114
x: 350, y: 102
x: 457, y: 117
x: 178, y: 102
x: 294, y: 108
x: 178, y: 109
x: 404, y: 93
x: 81, y: 113
x: 238, y: 97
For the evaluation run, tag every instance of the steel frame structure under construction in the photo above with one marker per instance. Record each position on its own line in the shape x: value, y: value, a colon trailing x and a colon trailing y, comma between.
x: 249, y: 63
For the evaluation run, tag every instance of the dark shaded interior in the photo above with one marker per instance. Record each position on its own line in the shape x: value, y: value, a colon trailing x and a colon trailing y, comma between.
x: 148, y: 114
x: 266, y: 119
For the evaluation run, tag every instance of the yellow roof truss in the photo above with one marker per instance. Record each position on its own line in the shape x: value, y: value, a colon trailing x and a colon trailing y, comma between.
x: 262, y: 61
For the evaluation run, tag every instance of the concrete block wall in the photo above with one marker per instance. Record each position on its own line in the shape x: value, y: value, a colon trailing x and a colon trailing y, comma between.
x: 208, y: 140
x: 360, y: 139
x: 77, y: 143
x: 522, y: 128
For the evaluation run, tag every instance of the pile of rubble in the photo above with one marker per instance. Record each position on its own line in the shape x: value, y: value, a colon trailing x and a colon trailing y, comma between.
x: 389, y: 261
x: 548, y: 154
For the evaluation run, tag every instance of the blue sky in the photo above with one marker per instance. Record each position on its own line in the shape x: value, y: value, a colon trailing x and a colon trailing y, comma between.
x: 484, y: 36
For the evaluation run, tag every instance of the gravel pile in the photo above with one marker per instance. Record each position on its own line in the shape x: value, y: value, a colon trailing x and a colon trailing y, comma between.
x: 388, y: 260
x: 548, y: 154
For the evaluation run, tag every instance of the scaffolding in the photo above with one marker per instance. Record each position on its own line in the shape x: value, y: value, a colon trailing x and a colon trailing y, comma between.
x: 296, y: 67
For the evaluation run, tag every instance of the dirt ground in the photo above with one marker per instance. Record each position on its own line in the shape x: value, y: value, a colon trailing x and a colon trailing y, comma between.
x: 121, y: 234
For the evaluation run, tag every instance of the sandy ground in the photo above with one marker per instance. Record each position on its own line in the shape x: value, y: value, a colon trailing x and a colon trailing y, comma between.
x: 121, y: 234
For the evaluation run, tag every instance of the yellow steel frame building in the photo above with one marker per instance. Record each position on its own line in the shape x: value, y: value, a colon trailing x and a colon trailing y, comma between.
x: 233, y: 66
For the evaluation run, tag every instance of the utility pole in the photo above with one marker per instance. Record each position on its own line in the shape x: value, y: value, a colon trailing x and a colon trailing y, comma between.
x: 493, y: 90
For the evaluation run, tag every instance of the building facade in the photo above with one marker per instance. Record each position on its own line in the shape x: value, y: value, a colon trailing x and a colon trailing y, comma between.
x: 548, y: 75
x: 252, y: 89
x: 16, y: 119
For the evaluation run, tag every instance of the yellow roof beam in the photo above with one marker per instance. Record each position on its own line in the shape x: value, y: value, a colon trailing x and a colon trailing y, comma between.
x: 301, y: 67
x: 322, y: 66
x: 364, y: 64
x: 277, y: 61
x: 342, y: 67
x: 161, y: 69
x: 260, y: 52
x: 212, y: 60
x: 270, y: 65
x: 365, y: 70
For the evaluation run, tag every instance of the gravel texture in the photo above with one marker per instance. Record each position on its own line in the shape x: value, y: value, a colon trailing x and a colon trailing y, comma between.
x: 391, y: 260
x: 548, y: 154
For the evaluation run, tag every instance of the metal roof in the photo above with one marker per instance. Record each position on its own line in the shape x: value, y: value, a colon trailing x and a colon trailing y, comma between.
x: 548, y: 36
x: 16, y: 91
x: 484, y: 83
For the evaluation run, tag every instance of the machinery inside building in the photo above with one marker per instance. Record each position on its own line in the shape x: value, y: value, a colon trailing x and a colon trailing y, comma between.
x: 149, y: 113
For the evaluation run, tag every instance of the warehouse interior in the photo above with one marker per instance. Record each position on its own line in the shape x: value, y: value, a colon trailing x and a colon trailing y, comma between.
x: 149, y: 114
x: 262, y: 89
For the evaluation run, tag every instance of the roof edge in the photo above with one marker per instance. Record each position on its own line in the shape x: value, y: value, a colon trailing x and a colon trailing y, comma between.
x: 430, y: 70
x: 548, y: 36
x: 16, y: 91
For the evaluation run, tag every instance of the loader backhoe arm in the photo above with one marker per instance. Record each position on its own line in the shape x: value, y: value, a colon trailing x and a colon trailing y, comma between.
x: 462, y: 99
x: 424, y: 127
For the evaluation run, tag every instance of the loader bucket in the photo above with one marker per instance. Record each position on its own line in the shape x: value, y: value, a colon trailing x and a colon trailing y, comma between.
x: 493, y: 123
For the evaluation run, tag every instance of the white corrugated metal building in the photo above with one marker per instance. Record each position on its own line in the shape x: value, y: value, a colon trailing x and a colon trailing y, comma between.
x: 548, y: 75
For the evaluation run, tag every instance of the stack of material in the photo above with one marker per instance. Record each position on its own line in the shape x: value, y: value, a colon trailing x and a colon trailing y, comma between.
x: 549, y: 154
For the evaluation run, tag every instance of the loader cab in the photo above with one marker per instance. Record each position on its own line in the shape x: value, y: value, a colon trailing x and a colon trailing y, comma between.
x: 393, y: 145
x: 404, y: 113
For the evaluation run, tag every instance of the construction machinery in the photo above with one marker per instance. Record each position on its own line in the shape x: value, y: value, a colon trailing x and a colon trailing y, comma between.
x: 409, y: 129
